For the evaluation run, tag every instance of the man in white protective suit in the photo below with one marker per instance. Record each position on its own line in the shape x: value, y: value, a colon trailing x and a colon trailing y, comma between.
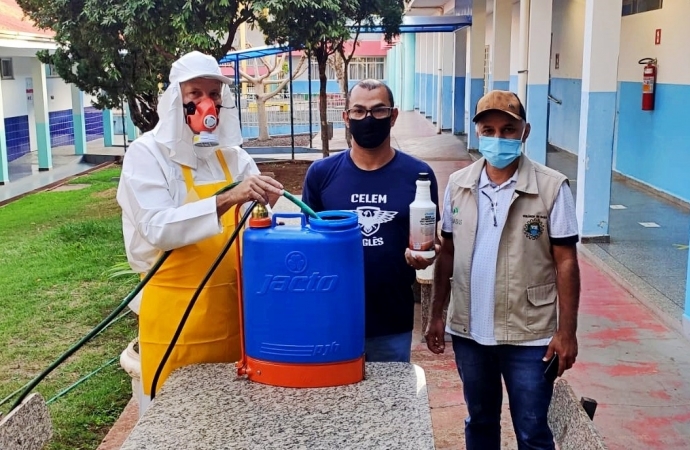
x: 167, y: 192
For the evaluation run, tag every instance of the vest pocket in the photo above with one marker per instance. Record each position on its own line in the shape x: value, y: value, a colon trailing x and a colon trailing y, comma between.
x: 540, y: 314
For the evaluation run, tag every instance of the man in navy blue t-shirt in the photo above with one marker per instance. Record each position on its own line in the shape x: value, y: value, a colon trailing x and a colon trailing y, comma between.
x: 378, y: 183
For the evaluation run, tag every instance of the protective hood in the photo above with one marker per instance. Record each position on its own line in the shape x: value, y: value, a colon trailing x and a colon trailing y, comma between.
x: 172, y: 130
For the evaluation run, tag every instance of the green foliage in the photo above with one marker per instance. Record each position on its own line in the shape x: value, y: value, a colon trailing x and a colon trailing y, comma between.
x: 57, y: 247
x: 122, y: 49
x: 321, y: 27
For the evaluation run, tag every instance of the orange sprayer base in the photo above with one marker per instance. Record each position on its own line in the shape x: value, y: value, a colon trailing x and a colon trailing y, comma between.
x: 305, y: 375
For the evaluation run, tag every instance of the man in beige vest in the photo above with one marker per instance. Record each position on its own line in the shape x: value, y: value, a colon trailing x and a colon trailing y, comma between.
x: 509, y: 262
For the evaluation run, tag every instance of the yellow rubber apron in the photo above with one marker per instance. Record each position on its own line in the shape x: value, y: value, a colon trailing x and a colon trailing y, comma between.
x: 211, y: 333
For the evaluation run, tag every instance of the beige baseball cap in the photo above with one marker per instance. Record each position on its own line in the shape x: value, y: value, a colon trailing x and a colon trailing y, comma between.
x: 504, y: 101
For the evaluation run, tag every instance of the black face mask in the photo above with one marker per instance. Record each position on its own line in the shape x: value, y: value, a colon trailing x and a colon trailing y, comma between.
x: 369, y: 133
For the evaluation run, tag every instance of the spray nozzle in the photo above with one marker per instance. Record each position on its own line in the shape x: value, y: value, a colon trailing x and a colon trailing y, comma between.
x: 259, y: 217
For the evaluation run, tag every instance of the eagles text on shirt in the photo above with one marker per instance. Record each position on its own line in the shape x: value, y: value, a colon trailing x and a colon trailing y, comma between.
x: 371, y: 217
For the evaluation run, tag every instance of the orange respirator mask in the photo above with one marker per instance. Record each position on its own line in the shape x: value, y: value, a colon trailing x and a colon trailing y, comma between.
x: 202, y: 118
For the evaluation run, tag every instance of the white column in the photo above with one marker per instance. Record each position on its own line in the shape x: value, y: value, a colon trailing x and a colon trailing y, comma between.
x: 500, y: 50
x: 439, y: 82
x: 424, y: 77
x: 597, y: 117
x: 538, y: 78
x: 448, y: 80
x: 523, y: 50
x: 38, y: 75
x: 79, y: 120
x: 474, y: 82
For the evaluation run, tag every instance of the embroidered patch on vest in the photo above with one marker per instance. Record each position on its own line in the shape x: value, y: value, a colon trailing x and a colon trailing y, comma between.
x: 533, y: 229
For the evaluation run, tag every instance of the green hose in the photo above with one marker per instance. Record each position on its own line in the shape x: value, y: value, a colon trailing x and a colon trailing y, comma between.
x: 303, y: 206
x: 33, y: 383
x: 106, y: 322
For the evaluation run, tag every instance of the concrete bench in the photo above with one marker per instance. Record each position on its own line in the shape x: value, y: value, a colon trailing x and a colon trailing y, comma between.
x: 572, y: 427
x: 206, y: 406
x: 28, y: 427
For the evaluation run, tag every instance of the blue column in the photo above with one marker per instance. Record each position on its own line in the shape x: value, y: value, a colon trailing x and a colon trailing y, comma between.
x: 4, y: 173
x: 45, y: 156
x: 409, y: 91
x: 108, y: 131
x: 131, y: 128
x: 474, y: 83
x: 460, y: 44
x: 540, y: 19
x: 686, y: 316
x: 78, y: 120
x: 597, y: 118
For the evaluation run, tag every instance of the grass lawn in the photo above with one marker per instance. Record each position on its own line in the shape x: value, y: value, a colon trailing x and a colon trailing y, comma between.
x: 56, y: 248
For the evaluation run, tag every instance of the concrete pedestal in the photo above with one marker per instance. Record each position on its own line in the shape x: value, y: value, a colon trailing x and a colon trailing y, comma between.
x: 206, y: 406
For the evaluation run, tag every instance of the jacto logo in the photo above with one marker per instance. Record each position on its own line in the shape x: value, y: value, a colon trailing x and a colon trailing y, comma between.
x: 296, y: 262
x: 300, y: 283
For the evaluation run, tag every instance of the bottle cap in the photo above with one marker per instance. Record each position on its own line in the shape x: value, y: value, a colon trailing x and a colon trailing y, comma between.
x: 423, y: 176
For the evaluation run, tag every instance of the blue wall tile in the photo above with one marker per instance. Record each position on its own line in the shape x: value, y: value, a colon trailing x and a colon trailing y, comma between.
x: 17, y: 137
x: 94, y: 123
x: 61, y: 128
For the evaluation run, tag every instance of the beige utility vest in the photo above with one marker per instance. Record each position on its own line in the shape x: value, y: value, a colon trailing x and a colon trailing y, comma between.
x: 525, y: 291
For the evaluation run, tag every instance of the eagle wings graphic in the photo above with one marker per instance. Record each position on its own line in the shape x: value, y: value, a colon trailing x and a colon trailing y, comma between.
x: 371, y: 217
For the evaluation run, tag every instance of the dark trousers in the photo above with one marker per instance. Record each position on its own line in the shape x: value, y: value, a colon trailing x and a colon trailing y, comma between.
x: 529, y: 394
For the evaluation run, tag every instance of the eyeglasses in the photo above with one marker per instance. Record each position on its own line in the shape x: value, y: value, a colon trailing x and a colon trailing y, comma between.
x: 380, y: 112
x: 493, y: 207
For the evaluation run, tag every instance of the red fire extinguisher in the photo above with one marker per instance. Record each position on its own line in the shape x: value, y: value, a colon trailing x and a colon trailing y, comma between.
x: 648, y: 83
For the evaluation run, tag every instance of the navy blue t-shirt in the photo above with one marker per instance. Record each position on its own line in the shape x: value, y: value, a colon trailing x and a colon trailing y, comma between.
x: 381, y: 198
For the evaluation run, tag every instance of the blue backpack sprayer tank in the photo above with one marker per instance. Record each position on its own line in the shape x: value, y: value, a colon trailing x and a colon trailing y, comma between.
x: 303, y: 301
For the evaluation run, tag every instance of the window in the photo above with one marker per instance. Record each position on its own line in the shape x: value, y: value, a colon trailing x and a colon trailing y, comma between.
x: 330, y: 72
x: 367, y: 67
x: 50, y: 71
x: 640, y: 6
x: 6, y: 71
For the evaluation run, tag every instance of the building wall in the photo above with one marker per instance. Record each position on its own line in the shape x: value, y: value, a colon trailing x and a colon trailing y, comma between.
x: 566, y: 80
x: 652, y: 146
x: 19, y: 114
x: 649, y: 146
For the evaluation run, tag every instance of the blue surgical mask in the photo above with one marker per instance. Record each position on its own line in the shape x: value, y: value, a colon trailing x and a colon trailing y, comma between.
x: 499, y: 152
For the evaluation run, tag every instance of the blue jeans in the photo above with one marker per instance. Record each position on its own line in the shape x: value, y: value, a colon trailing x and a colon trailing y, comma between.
x: 529, y: 393
x: 390, y: 348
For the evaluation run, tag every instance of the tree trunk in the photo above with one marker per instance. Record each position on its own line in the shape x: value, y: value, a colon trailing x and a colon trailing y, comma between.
x: 346, y: 89
x: 144, y: 116
x: 322, y: 59
x: 263, y: 117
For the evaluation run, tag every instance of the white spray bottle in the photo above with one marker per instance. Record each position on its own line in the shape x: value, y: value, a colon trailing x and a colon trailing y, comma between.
x: 423, y: 219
